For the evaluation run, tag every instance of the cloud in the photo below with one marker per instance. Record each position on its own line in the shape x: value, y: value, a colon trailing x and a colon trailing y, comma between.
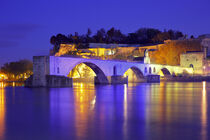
x: 6, y: 44
x: 19, y: 27
x: 17, y: 31
x: 11, y: 34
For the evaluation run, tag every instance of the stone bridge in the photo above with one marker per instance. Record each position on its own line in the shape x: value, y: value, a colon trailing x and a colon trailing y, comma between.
x: 107, y: 71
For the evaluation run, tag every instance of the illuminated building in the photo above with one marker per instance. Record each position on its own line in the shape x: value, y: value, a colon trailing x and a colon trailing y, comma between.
x: 199, y: 60
x: 3, y: 77
x: 107, y: 51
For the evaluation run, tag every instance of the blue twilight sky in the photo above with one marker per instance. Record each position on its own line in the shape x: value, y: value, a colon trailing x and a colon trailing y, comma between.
x: 27, y: 25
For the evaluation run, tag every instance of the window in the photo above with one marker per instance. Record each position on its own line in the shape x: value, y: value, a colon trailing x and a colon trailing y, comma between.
x: 150, y: 70
x: 115, y: 70
x: 145, y: 70
x: 58, y: 71
x: 191, y: 66
x: 154, y: 70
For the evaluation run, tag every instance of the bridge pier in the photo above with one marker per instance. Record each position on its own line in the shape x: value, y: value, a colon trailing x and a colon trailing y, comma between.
x: 112, y: 80
x: 117, y: 79
x: 153, y: 78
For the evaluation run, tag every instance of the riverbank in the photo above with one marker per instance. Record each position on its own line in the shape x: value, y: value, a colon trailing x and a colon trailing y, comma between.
x: 186, y: 79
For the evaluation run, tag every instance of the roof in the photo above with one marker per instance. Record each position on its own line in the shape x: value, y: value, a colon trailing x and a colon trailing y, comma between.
x: 103, y: 45
x: 194, y: 52
x: 138, y: 59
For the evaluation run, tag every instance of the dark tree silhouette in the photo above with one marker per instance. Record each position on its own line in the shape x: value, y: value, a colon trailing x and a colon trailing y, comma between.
x: 141, y: 36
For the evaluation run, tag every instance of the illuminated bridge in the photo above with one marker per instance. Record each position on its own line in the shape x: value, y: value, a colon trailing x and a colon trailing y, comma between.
x: 105, y: 71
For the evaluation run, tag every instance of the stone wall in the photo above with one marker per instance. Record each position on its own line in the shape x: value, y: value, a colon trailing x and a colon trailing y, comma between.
x: 42, y: 76
x: 193, y: 59
x: 206, y: 67
x: 117, y: 79
x: 206, y: 43
x: 153, y: 78
x: 65, y: 49
x: 40, y: 70
x: 58, y: 81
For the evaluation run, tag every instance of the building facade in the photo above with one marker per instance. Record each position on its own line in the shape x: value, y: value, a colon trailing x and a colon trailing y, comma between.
x: 199, y: 61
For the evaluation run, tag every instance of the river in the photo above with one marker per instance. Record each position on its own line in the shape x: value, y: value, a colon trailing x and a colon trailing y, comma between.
x: 144, y: 111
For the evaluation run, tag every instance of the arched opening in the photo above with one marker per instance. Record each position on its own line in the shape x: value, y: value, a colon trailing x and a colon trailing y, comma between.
x: 191, y: 66
x: 114, y: 71
x: 186, y: 73
x: 154, y: 70
x: 89, y: 73
x: 145, y: 70
x: 164, y: 72
x: 150, y: 70
x: 134, y: 75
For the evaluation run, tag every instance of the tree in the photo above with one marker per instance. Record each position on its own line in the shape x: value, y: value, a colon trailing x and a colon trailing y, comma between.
x: 17, y: 68
x: 141, y: 36
x: 89, y: 32
x: 100, y: 36
x: 110, y: 34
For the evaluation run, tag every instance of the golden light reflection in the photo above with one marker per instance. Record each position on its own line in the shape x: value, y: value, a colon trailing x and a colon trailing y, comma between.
x: 163, y: 98
x: 2, y: 85
x: 2, y: 110
x: 125, y: 113
x: 167, y: 99
x: 204, y: 113
x: 85, y: 100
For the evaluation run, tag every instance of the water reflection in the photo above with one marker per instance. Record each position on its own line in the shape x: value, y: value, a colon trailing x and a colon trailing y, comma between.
x: 2, y: 110
x: 85, y: 100
x: 11, y: 84
x: 87, y: 111
x: 204, y: 113
x: 174, y: 104
x: 125, y: 112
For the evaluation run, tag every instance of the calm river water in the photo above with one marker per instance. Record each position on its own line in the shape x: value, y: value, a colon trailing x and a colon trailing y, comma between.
x: 161, y: 111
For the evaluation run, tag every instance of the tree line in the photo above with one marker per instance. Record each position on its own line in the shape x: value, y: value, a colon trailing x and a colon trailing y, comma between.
x: 17, y: 70
x: 115, y: 36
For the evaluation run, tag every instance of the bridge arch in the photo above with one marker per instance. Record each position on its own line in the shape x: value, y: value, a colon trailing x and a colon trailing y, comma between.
x: 164, y: 72
x: 99, y: 76
x: 134, y: 75
x: 185, y: 73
